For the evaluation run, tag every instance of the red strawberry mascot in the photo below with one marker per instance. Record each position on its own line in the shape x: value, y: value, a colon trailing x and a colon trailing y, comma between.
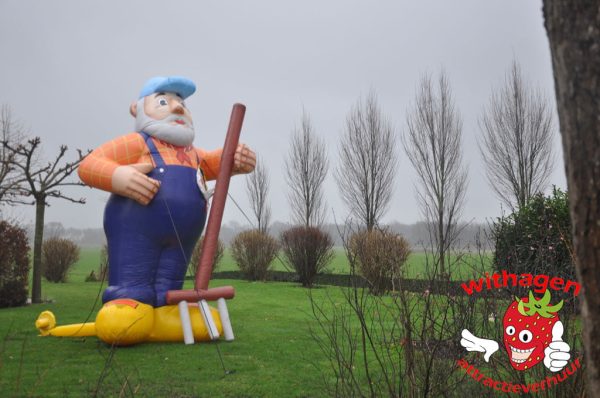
x: 532, y: 334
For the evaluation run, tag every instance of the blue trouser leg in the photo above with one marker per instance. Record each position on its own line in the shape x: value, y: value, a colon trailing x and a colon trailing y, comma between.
x: 171, y: 273
x: 133, y: 259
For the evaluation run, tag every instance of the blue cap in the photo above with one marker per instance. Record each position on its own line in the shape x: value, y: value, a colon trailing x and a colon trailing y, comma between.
x: 182, y: 86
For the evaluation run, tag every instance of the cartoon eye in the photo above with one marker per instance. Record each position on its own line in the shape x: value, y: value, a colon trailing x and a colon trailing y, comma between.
x: 510, y: 330
x: 525, y: 336
x: 162, y: 102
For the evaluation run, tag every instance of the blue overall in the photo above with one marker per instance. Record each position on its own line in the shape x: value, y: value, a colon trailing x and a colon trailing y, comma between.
x: 149, y: 246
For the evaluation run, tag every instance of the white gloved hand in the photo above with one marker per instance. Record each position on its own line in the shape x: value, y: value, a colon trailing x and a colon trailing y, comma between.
x: 474, y: 343
x: 557, y: 354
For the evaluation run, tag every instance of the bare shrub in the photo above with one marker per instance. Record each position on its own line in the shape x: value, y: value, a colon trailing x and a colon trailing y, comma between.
x: 58, y: 256
x: 14, y: 265
x: 380, y: 256
x: 197, y: 253
x: 308, y: 250
x: 254, y: 251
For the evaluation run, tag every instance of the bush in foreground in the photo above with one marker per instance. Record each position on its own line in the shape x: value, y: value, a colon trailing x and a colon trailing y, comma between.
x: 536, y: 239
x: 58, y: 256
x: 14, y: 265
x: 308, y: 250
x: 254, y: 251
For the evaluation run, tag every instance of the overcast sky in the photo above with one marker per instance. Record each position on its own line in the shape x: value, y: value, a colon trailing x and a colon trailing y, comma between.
x: 69, y: 70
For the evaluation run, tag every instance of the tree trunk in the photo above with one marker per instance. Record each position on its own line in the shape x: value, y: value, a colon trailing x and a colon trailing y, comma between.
x: 441, y: 245
x: 574, y: 32
x: 40, y: 208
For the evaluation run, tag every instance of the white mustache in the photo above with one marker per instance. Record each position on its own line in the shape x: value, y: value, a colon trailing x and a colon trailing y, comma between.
x: 172, y: 119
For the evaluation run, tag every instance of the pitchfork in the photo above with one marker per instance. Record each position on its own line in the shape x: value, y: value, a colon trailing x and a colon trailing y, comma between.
x: 201, y: 293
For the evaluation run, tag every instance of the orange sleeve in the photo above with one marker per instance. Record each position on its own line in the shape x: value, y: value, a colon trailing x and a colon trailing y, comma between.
x: 210, y: 161
x: 97, y: 168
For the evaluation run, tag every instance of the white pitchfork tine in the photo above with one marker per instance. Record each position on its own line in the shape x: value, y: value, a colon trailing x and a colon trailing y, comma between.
x: 186, y: 324
x: 225, y: 321
x: 209, y: 321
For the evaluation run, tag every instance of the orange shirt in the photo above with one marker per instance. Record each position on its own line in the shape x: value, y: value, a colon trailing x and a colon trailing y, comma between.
x: 97, y: 168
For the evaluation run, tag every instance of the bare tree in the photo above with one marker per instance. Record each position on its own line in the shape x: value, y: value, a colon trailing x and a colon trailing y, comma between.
x: 433, y: 145
x: 368, y: 161
x: 257, y: 187
x: 574, y: 35
x: 306, y: 169
x: 516, y: 145
x: 42, y: 183
x: 10, y: 179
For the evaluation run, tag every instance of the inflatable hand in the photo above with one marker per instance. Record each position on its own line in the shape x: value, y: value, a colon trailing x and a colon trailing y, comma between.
x: 132, y: 182
x: 244, y: 160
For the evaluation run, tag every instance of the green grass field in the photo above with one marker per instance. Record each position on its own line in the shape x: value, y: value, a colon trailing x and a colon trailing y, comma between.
x: 89, y: 260
x: 273, y: 354
x: 414, y: 266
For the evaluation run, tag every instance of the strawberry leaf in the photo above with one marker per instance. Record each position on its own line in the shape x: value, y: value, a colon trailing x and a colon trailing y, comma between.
x: 541, y: 307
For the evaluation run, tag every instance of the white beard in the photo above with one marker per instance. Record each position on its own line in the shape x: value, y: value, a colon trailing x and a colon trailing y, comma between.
x: 164, y: 129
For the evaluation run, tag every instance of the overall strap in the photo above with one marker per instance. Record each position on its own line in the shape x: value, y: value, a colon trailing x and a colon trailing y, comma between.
x: 158, y: 160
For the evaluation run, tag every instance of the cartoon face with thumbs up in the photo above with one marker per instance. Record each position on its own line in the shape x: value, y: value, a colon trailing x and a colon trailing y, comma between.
x: 532, y: 334
x: 530, y: 327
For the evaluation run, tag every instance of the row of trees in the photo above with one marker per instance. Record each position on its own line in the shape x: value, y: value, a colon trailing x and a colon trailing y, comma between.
x: 516, y: 146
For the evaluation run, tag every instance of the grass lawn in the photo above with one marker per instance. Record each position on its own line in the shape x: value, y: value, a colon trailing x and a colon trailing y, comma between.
x: 273, y: 354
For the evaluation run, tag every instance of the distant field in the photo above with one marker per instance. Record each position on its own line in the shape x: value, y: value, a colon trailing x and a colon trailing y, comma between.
x: 415, y: 265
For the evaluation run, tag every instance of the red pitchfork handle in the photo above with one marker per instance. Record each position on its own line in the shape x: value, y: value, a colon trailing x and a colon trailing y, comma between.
x: 211, y: 236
